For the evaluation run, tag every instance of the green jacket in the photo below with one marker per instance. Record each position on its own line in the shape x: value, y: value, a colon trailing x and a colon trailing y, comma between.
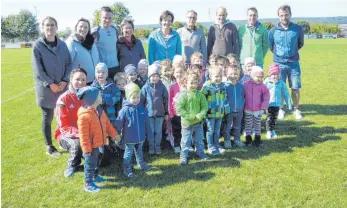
x: 253, y: 42
x: 192, y: 106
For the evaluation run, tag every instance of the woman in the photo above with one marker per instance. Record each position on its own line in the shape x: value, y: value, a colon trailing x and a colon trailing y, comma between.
x: 130, y: 50
x: 82, y: 49
x: 67, y: 131
x: 51, y: 66
x: 164, y: 42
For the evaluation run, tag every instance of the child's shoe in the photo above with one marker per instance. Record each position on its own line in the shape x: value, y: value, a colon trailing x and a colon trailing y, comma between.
x: 221, y: 150
x: 128, y: 173
x: 248, y: 141
x: 268, y: 135
x: 99, y: 179
x: 257, y: 141
x: 177, y: 150
x: 281, y: 114
x: 145, y: 167
x: 69, y: 172
x: 273, y: 133
x: 227, y: 144
x: 151, y: 152
x: 183, y: 160
x: 91, y: 187
x: 239, y: 143
x: 213, y: 152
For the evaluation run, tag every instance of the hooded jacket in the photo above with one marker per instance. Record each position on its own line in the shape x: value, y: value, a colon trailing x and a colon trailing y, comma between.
x: 215, y: 95
x: 155, y: 98
x: 159, y: 50
x: 257, y: 96
x: 235, y: 96
x: 129, y: 55
x: 277, y: 92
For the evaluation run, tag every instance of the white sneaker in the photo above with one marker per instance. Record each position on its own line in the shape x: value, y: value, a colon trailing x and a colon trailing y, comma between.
x: 273, y: 133
x: 221, y: 150
x: 297, y: 114
x: 281, y: 114
x: 268, y: 135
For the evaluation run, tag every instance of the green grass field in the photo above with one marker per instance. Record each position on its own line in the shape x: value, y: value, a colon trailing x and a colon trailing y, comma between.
x: 306, y: 166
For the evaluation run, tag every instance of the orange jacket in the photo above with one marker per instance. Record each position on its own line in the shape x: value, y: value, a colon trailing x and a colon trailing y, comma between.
x: 92, y: 129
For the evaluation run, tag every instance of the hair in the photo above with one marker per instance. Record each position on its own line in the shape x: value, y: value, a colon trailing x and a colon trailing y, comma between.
x: 79, y: 69
x: 192, y: 12
x: 284, y: 7
x: 83, y: 20
x: 165, y: 14
x: 127, y: 20
x: 106, y: 9
x: 196, y: 55
x: 214, y: 69
x: 234, y: 67
x: 177, y: 58
x: 223, y: 60
x: 213, y: 57
x: 50, y: 18
x: 193, y: 76
x: 179, y: 67
x: 220, y: 7
x: 252, y: 9
x: 233, y: 56
x: 120, y: 76
x: 166, y: 63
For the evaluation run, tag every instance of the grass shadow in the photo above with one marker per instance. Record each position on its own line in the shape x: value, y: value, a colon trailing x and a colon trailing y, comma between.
x: 314, y: 109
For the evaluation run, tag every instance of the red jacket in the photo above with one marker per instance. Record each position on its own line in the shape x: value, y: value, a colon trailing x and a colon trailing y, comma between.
x: 66, y: 114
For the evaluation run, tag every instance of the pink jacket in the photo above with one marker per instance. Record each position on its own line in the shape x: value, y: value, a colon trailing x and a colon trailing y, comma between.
x: 173, y: 94
x: 257, y: 96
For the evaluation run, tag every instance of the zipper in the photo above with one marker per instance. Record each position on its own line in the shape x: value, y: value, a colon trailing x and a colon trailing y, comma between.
x: 99, y: 116
x: 154, y: 112
x: 235, y: 97
x: 138, y: 129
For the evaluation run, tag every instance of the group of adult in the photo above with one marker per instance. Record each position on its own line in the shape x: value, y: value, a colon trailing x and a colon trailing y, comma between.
x: 53, y: 59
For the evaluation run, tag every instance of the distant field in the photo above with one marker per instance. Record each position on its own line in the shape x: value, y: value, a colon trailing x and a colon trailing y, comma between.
x: 306, y: 166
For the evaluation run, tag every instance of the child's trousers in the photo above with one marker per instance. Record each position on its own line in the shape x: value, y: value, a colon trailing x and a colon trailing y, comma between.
x: 253, y: 121
x: 213, y: 133
x: 186, y: 141
x: 233, y: 119
x: 130, y: 149
x: 156, y: 126
x: 91, y: 164
x: 176, y: 130
x: 271, y: 118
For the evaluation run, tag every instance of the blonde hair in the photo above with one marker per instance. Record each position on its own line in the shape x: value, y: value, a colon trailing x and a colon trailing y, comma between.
x: 232, y: 56
x: 193, y: 76
x: 120, y: 76
x: 214, y: 69
x: 196, y: 55
x: 166, y: 63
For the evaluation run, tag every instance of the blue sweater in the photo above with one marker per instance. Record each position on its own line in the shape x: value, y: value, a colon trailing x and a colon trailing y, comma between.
x: 285, y: 44
x: 159, y: 50
x: 132, y: 122
x: 277, y: 92
x: 155, y: 98
x: 235, y: 96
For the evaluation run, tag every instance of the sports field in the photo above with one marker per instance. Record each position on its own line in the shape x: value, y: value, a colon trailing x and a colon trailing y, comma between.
x: 306, y: 166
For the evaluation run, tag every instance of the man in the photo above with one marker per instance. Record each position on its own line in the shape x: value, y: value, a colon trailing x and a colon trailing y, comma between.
x: 106, y: 39
x: 253, y: 39
x: 285, y: 40
x: 193, y: 38
x: 223, y: 37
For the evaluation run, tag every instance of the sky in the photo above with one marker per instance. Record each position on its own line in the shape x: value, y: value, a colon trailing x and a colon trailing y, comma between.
x: 67, y: 12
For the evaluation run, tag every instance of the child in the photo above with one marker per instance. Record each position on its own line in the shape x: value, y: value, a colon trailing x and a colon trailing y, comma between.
x: 192, y: 106
x: 236, y: 97
x: 256, y: 101
x: 223, y: 64
x: 175, y: 89
x: 249, y: 63
x: 142, y: 68
x: 93, y: 126
x: 167, y: 73
x: 198, y: 59
x: 212, y: 59
x: 278, y: 90
x: 109, y: 92
x: 131, y: 73
x: 178, y: 60
x: 154, y: 97
x: 132, y: 122
x: 233, y: 60
x: 214, y: 91
x: 120, y: 80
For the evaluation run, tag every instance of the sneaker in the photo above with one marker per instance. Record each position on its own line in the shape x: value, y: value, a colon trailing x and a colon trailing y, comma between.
x: 91, y: 187
x: 213, y: 152
x: 128, y: 173
x: 239, y: 143
x: 183, y: 160
x: 99, y: 179
x: 52, y: 151
x: 297, y: 114
x: 69, y: 172
x: 227, y: 144
x: 203, y: 156
x: 221, y: 150
x: 191, y: 149
x: 145, y: 167
x: 273, y: 133
x: 281, y: 114
x: 268, y: 134
x: 177, y: 150
x: 248, y: 141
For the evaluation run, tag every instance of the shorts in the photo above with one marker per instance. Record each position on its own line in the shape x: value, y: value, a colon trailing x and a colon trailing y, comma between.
x: 291, y: 71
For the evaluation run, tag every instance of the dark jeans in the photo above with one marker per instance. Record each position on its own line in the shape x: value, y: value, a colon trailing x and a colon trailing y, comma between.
x: 176, y: 130
x: 91, y: 165
x: 271, y: 118
x: 113, y: 71
x: 47, y: 117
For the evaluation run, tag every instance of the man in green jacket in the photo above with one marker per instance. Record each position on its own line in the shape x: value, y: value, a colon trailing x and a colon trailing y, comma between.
x: 253, y: 38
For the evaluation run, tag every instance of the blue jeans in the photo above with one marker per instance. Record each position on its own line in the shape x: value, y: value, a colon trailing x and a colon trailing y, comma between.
x: 130, y: 149
x: 233, y: 119
x: 186, y: 141
x: 155, y: 125
x: 293, y: 72
x: 213, y: 133
x: 91, y: 165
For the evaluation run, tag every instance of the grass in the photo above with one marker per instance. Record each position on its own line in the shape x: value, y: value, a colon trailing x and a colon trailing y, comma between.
x: 306, y: 166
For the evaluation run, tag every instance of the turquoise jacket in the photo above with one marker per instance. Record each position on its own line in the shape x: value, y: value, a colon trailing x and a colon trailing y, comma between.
x: 218, y: 104
x: 277, y: 92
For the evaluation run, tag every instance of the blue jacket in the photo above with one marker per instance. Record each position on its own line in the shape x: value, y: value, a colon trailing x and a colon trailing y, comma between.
x: 215, y: 95
x: 235, y: 96
x: 277, y: 92
x: 285, y: 44
x: 244, y: 78
x: 110, y: 96
x: 132, y: 122
x: 155, y: 98
x: 159, y: 50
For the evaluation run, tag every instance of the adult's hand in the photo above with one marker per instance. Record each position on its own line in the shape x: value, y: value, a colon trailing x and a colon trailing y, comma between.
x: 54, y: 87
x: 62, y: 85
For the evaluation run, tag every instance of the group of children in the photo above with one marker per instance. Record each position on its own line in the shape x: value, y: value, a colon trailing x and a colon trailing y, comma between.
x: 173, y: 99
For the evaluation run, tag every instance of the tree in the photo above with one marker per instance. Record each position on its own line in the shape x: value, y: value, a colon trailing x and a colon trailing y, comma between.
x: 64, y: 34
x: 142, y: 33
x: 8, y: 32
x: 204, y: 29
x: 176, y: 25
x: 305, y: 25
x: 268, y: 25
x: 27, y: 26
x: 119, y: 11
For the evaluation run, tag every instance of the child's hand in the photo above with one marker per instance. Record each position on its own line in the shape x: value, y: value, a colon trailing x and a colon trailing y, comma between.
x: 117, y: 138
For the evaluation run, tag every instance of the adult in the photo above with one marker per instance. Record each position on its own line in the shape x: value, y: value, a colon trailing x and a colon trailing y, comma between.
x: 285, y: 40
x: 51, y: 67
x: 83, y: 51
x: 253, y: 38
x: 223, y: 37
x: 106, y: 36
x: 193, y: 38
x: 67, y: 131
x: 164, y: 42
x: 130, y: 49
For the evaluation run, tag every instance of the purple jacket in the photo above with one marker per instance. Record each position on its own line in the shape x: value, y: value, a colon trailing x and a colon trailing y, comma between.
x: 257, y: 96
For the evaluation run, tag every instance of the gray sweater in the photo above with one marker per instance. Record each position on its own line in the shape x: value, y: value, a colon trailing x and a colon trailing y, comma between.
x: 193, y: 41
x: 50, y: 65
x: 222, y: 41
